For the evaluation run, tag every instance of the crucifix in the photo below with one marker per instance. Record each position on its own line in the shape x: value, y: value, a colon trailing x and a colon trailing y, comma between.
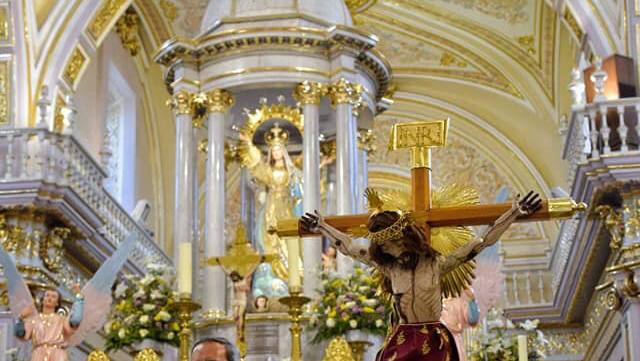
x: 239, y: 264
x: 419, y: 138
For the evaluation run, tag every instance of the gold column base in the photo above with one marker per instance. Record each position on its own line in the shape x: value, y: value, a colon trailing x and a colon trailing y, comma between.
x: 184, y: 307
x: 295, y: 302
x: 358, y: 348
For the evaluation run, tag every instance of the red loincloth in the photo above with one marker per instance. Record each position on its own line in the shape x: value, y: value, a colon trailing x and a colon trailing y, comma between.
x: 429, y: 341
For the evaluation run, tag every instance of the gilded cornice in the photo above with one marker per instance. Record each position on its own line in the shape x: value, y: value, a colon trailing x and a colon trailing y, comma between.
x: 100, y: 22
x: 541, y: 66
x: 219, y: 100
x: 486, y: 74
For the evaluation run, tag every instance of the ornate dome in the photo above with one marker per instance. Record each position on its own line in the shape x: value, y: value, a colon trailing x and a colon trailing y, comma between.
x: 331, y: 11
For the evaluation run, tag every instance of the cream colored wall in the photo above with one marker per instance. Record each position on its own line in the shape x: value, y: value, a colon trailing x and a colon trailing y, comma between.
x: 150, y: 94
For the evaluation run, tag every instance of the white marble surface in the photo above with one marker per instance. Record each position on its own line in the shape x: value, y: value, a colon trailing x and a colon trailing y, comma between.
x: 331, y: 11
x: 214, y: 246
x: 311, y: 246
x: 185, y: 171
x: 346, y: 171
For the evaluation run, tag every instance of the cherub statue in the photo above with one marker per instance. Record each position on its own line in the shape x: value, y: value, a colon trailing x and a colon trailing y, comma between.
x: 411, y: 270
x: 52, y: 333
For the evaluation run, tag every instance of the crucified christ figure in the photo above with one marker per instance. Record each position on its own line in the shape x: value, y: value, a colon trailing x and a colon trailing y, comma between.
x: 411, y: 270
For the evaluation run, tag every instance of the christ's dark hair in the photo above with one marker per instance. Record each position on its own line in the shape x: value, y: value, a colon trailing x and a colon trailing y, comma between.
x: 413, y: 239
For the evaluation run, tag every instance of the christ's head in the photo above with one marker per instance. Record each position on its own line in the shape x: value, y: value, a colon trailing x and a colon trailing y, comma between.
x: 235, y: 276
x: 405, y: 249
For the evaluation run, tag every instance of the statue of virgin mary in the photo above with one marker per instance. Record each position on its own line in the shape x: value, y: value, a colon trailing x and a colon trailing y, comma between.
x: 282, y: 200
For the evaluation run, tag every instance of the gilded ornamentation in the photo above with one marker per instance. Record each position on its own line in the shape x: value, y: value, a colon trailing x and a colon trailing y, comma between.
x: 97, y: 355
x: 309, y: 93
x: 181, y: 103
x: 147, y: 355
x: 4, y: 23
x: 51, y: 248
x: 448, y: 59
x: 512, y: 11
x: 101, y: 20
x: 417, y: 51
x: 11, y: 236
x: 5, y: 92
x: 366, y: 140
x: 338, y: 350
x: 328, y: 149
x: 344, y: 91
x: 573, y: 24
x: 169, y: 9
x: 400, y: 339
x: 127, y: 29
x: 527, y: 43
x: 614, y: 223
x: 74, y: 66
x: 358, y: 6
x: 58, y: 117
x: 220, y: 101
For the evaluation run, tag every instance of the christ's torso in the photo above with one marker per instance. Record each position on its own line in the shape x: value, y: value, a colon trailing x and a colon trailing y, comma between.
x: 417, y: 291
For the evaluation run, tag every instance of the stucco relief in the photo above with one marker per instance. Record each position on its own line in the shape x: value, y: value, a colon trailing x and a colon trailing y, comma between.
x: 512, y: 11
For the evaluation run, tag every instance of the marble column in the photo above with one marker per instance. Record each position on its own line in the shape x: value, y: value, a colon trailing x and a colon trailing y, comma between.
x: 343, y: 95
x: 182, y: 105
x: 213, y: 301
x: 365, y: 140
x: 308, y: 95
x: 631, y: 329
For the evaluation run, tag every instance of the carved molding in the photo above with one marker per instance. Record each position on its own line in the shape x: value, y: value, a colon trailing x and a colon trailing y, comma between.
x: 127, y: 29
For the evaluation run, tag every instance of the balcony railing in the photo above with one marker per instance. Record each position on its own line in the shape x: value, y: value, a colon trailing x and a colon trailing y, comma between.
x: 52, y: 164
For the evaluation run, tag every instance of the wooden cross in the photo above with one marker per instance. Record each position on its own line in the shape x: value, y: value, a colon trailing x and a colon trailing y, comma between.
x: 419, y: 137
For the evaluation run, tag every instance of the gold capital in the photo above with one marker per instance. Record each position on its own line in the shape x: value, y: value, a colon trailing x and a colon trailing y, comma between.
x: 181, y: 103
x: 220, y: 101
x: 344, y: 91
x: 309, y: 93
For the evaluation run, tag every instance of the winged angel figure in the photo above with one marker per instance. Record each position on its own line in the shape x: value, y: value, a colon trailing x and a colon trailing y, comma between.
x: 51, y: 333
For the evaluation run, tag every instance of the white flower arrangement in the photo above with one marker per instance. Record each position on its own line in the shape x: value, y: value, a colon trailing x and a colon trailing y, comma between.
x: 498, y: 341
x: 141, y: 309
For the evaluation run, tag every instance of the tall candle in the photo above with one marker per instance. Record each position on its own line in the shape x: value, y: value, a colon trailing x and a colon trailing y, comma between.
x: 185, y: 268
x: 293, y: 248
x: 522, y: 348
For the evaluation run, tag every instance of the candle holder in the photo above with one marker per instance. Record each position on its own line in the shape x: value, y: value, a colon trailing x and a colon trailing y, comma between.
x: 295, y: 302
x: 184, y: 307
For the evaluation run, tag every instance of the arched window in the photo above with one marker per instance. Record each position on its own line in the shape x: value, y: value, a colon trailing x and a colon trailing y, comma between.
x: 120, y: 139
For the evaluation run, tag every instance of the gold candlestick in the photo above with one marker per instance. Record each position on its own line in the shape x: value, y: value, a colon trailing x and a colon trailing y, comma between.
x: 185, y: 307
x: 295, y: 302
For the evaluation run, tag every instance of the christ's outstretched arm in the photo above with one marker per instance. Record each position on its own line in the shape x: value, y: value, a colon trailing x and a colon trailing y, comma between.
x: 344, y: 243
x: 525, y: 206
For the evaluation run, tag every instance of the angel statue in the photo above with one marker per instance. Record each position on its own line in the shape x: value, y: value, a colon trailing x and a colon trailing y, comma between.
x: 413, y: 272
x: 52, y: 333
x: 282, y: 200
x: 459, y: 313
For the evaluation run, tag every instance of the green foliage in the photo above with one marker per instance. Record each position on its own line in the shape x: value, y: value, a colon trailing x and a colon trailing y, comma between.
x: 141, y: 310
x: 348, y: 304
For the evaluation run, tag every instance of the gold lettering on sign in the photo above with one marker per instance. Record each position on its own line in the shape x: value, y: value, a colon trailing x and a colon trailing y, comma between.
x: 419, y: 134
